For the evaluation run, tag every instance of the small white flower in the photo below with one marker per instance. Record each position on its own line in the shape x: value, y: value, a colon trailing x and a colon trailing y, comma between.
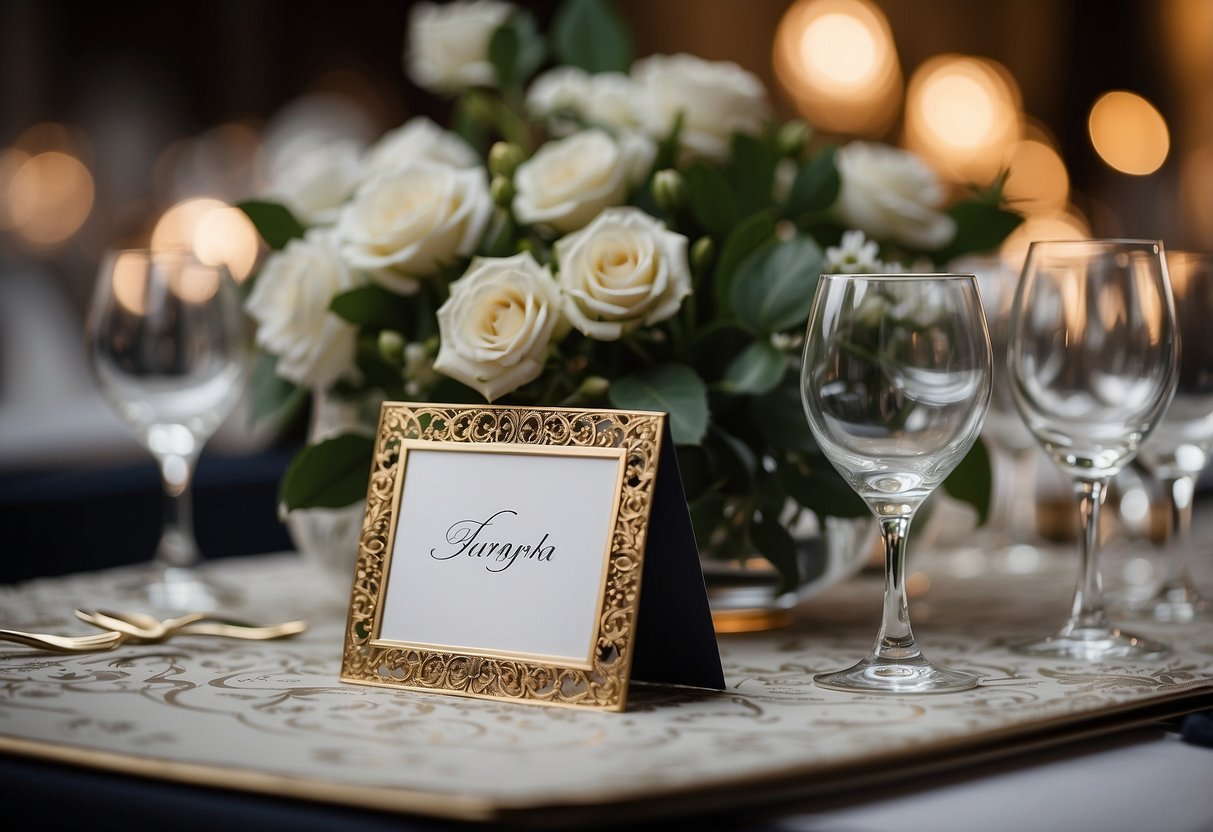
x: 716, y: 100
x: 621, y: 271
x: 569, y: 181
x: 418, y: 139
x: 290, y: 302
x: 890, y: 194
x: 497, y: 324
x: 854, y: 255
x: 315, y: 179
x: 448, y: 45
x: 418, y: 368
x: 406, y: 224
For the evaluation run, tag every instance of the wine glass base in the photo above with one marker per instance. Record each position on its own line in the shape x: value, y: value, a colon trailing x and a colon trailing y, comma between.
x: 873, y: 675
x: 182, y: 590
x: 1094, y: 644
x: 1173, y: 604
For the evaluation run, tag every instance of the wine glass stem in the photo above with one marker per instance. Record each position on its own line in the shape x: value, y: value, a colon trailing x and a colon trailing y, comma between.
x: 1179, y: 491
x: 896, y: 639
x: 177, y: 547
x: 1088, y: 610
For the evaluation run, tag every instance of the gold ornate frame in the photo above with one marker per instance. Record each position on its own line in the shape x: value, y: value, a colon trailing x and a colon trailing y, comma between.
x: 603, y: 684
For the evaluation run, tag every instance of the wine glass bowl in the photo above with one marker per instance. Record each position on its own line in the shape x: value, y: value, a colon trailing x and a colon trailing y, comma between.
x: 1092, y: 360
x: 895, y: 384
x: 1179, y: 448
x: 166, y: 345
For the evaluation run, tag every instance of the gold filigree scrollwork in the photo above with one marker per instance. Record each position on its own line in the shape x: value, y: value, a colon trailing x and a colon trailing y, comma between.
x: 604, y: 684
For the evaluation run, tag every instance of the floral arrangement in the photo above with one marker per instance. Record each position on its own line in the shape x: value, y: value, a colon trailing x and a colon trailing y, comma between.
x: 608, y: 232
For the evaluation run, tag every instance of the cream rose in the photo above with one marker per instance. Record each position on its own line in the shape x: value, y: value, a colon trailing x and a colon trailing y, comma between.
x: 404, y: 225
x: 622, y: 270
x: 716, y: 99
x: 314, y: 180
x: 497, y: 324
x: 448, y: 45
x: 605, y: 99
x: 891, y: 194
x: 418, y: 139
x: 290, y: 302
x: 569, y: 181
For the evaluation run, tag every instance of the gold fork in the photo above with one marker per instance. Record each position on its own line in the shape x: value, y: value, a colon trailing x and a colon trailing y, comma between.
x: 146, y: 629
x: 63, y: 644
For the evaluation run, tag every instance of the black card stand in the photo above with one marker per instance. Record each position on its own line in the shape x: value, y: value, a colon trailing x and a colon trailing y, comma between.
x: 675, y: 641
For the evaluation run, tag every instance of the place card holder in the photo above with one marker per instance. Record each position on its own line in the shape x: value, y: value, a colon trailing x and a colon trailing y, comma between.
x: 538, y: 555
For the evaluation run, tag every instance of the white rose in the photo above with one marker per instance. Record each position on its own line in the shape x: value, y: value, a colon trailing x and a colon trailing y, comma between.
x: 404, y: 225
x: 418, y: 139
x: 448, y: 45
x: 605, y: 99
x: 716, y: 99
x: 622, y: 270
x: 497, y: 324
x: 290, y: 302
x: 890, y: 194
x: 315, y: 179
x: 569, y: 181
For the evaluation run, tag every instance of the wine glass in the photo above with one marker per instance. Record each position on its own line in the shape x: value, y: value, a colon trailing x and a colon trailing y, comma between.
x: 1179, y: 448
x: 1093, y: 367
x: 895, y: 384
x: 166, y: 344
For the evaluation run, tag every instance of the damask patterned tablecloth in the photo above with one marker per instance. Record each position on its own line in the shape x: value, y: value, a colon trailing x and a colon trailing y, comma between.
x: 272, y: 717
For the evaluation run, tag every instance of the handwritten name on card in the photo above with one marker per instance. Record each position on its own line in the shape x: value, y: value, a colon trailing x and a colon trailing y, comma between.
x: 465, y: 538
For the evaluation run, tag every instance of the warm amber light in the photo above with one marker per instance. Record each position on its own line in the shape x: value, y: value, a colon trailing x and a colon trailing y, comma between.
x: 1038, y: 181
x: 195, y: 282
x: 129, y: 281
x: 1196, y: 192
x: 1065, y: 224
x: 215, y: 232
x: 11, y: 160
x: 1129, y: 133
x: 836, y: 59
x: 962, y: 116
x: 49, y: 198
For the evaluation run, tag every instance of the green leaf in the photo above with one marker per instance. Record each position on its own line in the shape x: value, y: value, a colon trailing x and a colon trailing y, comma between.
x: 980, y: 226
x: 667, y: 148
x: 752, y: 170
x: 816, y: 185
x: 371, y: 307
x: 589, y: 34
x: 821, y: 489
x: 329, y: 474
x: 711, y: 198
x: 516, y: 50
x: 971, y: 481
x: 744, y: 239
x: 774, y: 287
x: 672, y: 388
x: 274, y: 222
x: 779, y: 417
x: 756, y: 370
x: 270, y: 395
x: 776, y: 545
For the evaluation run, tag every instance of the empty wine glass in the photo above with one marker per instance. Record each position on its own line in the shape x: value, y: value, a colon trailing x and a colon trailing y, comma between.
x: 1178, y: 450
x: 166, y: 344
x: 1093, y: 367
x: 895, y: 384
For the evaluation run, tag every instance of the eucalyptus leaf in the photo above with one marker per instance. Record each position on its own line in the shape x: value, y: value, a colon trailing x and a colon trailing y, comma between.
x: 711, y: 198
x: 774, y: 286
x: 371, y: 307
x: 816, y: 185
x: 675, y: 389
x: 516, y: 49
x: 590, y: 35
x: 752, y: 170
x: 744, y: 239
x: 776, y: 545
x: 270, y: 395
x: 756, y: 370
x: 971, y: 480
x: 980, y: 226
x: 779, y: 417
x: 273, y: 221
x: 821, y: 489
x: 330, y: 474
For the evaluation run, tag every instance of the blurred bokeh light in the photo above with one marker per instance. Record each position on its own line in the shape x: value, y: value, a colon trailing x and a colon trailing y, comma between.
x: 1129, y: 133
x: 48, y: 198
x: 213, y: 230
x: 837, y: 61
